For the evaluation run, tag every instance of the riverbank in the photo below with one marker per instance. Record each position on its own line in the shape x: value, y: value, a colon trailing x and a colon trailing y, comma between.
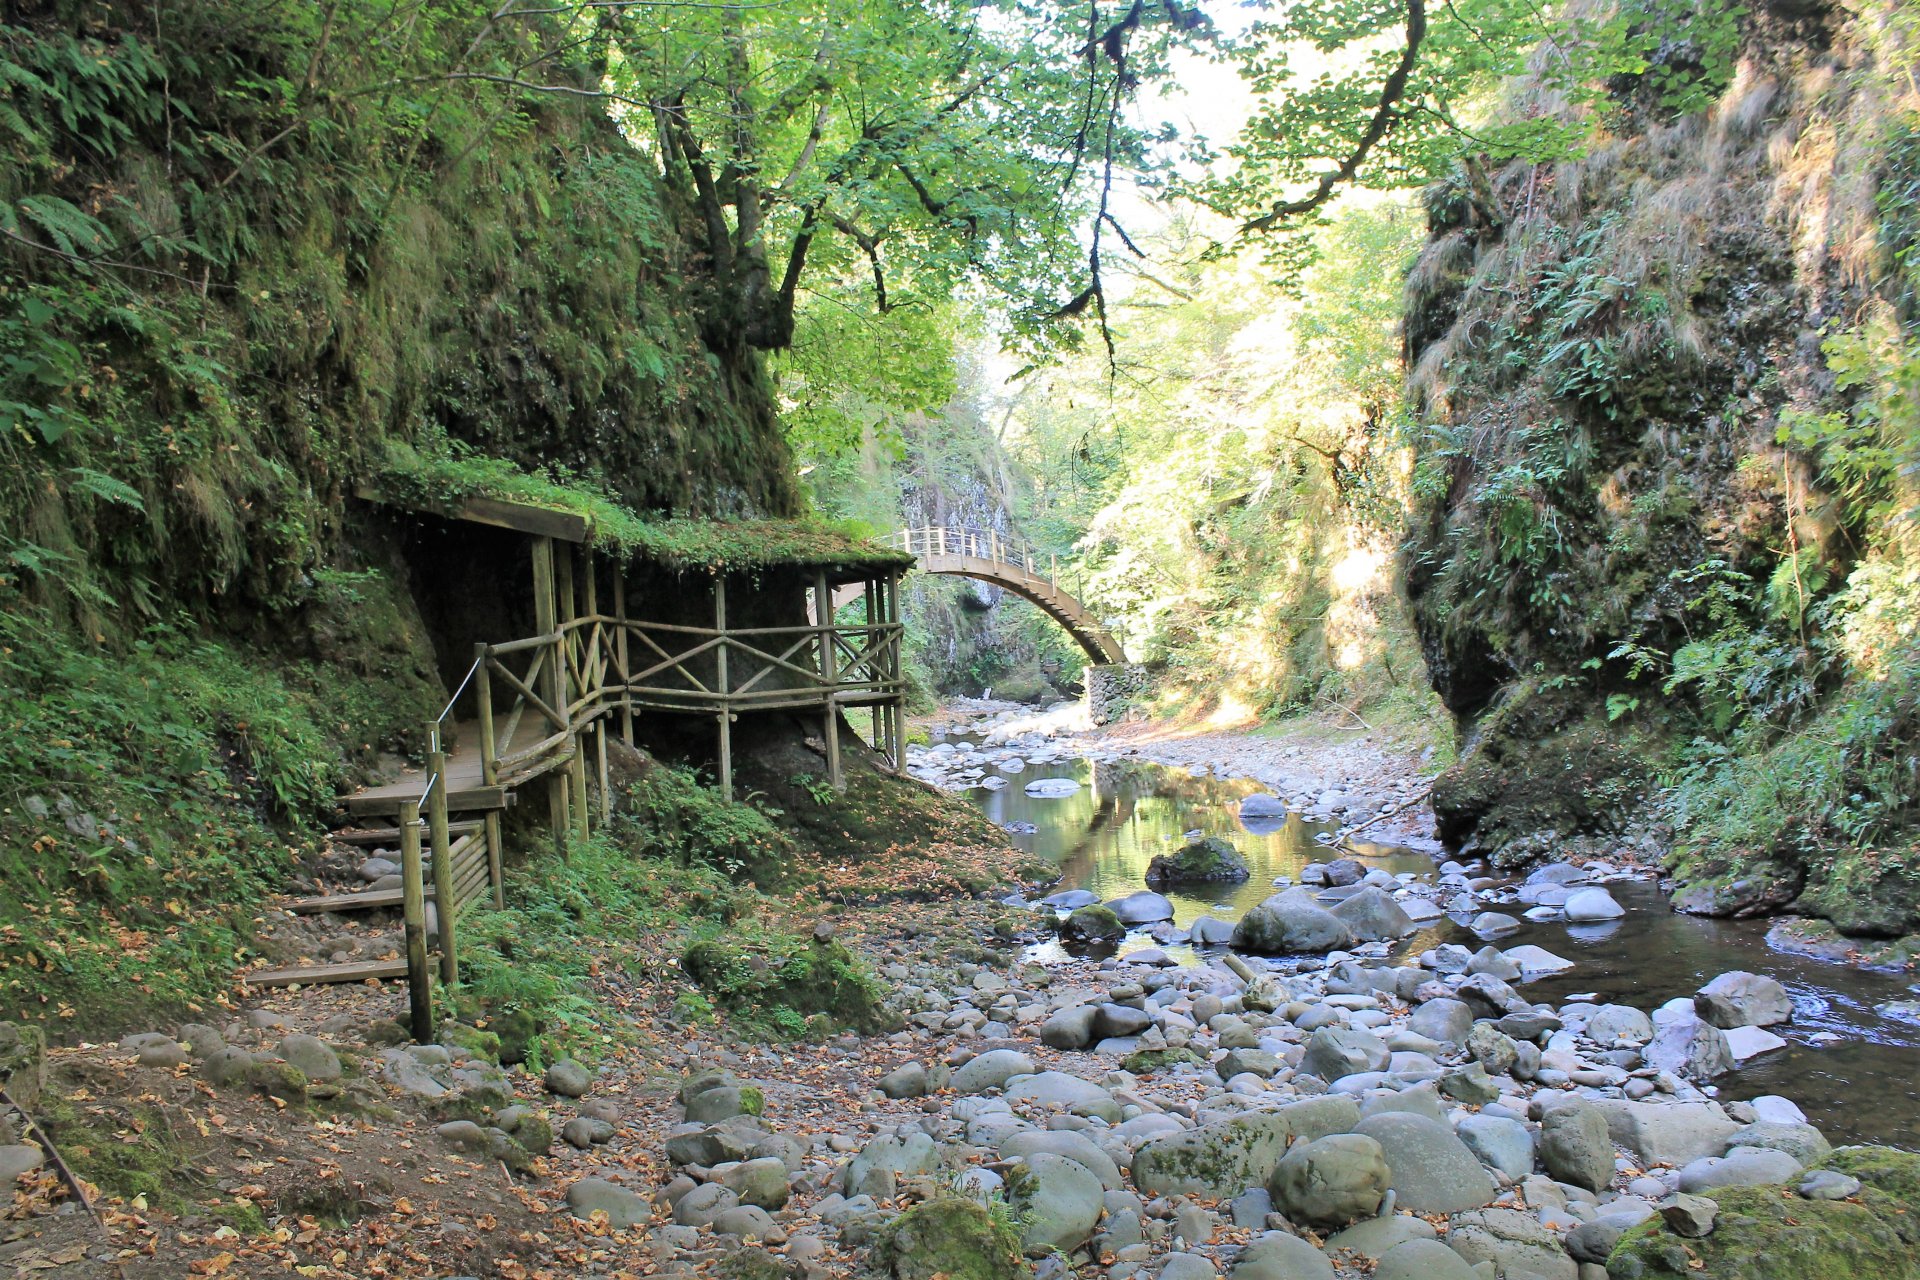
x: 1322, y: 770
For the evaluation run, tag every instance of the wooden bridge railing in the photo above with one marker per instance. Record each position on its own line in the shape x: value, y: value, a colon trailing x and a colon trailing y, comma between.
x: 986, y: 544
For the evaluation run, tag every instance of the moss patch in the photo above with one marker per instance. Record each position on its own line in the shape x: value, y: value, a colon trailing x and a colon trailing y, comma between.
x: 1770, y: 1233
x: 950, y: 1236
x: 785, y: 981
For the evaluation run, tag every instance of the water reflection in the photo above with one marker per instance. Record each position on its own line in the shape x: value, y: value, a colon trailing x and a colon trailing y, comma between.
x: 1855, y: 1073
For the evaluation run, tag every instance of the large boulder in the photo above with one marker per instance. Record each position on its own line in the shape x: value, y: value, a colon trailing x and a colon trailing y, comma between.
x: 949, y: 1236
x: 1514, y: 1242
x: 991, y: 1070
x: 1058, y: 1201
x: 1433, y: 1171
x: 1291, y: 922
x: 1063, y: 1142
x: 1372, y: 915
x: 1500, y: 1143
x: 1446, y: 1020
x: 1689, y: 1047
x: 1277, y: 1255
x: 887, y: 1158
x: 1331, y: 1181
x: 623, y: 1208
x: 1141, y: 908
x: 1670, y: 1133
x: 1423, y: 1260
x: 1576, y: 1147
x: 1216, y: 1160
x: 1589, y: 906
x: 1093, y: 924
x: 1055, y: 1090
x: 1741, y: 999
x: 1070, y: 1028
x: 1333, y: 1052
x: 1206, y: 860
x: 1619, y: 1026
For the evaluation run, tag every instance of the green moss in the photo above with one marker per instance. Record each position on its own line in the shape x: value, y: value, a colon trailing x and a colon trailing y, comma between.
x: 142, y: 1153
x: 1147, y: 1061
x: 1769, y: 1233
x: 950, y: 1236
x: 783, y: 980
x: 1093, y: 924
x: 752, y: 1101
x: 481, y: 1044
x: 243, y: 1216
x: 1207, y: 859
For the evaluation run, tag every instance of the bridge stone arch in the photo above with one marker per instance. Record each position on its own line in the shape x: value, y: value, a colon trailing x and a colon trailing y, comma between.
x: 1014, y: 566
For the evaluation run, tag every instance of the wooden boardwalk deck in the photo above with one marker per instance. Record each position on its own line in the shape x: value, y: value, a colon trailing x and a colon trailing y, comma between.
x: 466, y: 792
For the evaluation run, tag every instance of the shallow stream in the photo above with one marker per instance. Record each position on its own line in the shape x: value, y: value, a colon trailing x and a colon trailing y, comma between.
x: 1854, y: 1072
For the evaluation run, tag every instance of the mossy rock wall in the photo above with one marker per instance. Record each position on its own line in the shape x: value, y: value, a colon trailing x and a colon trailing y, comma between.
x: 1770, y: 1233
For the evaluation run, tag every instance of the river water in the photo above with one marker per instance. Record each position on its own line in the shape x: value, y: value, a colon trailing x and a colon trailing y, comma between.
x: 1854, y: 1072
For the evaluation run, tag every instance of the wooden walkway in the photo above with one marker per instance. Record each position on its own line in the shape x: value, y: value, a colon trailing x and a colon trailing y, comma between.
x: 467, y: 790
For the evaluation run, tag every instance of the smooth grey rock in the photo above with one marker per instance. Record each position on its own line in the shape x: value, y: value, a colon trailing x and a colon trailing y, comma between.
x: 1216, y: 1160
x: 1688, y: 1215
x: 1071, y: 1028
x: 623, y: 1208
x: 229, y: 1065
x: 1446, y: 1020
x: 16, y: 1159
x: 1423, y: 1260
x: 585, y: 1132
x: 1059, y: 1201
x: 1067, y: 1143
x: 1500, y: 1143
x: 1054, y: 1090
x: 749, y: 1222
x: 1188, y: 1266
x: 1829, y: 1184
x: 1742, y: 999
x: 711, y: 1106
x: 1690, y: 1047
x: 313, y: 1056
x: 1291, y: 922
x: 1332, y: 1181
x: 571, y: 1080
x: 1372, y: 915
x: 700, y: 1206
x: 1743, y: 1167
x: 1276, y: 1255
x: 1333, y: 1052
x: 1587, y: 906
x: 1801, y: 1141
x: 761, y: 1182
x: 1619, y: 1026
x: 1514, y: 1242
x: 1376, y: 1236
x: 1432, y: 1170
x: 1144, y: 907
x: 887, y: 1157
x: 1576, y: 1147
x: 991, y: 1070
x: 908, y: 1080
x: 1594, y: 1241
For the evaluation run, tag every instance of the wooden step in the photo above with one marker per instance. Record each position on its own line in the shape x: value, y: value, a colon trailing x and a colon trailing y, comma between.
x: 365, y: 900
x: 462, y: 800
x: 358, y: 971
x: 390, y: 835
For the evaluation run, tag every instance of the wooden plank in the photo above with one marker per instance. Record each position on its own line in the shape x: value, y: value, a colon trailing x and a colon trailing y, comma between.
x: 390, y: 835
x: 365, y: 900
x: 502, y: 514
x: 464, y: 800
x: 308, y: 975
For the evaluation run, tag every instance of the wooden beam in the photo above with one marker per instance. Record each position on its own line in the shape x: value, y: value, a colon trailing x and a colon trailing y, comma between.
x: 465, y: 800
x: 414, y: 914
x: 445, y: 905
x: 316, y: 974
x: 720, y: 662
x: 500, y: 513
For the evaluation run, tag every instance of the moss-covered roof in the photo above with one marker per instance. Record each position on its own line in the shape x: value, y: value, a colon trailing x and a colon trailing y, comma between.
x: 465, y: 485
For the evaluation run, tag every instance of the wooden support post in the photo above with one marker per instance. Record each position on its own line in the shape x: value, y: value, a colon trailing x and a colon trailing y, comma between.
x: 552, y: 679
x: 829, y: 675
x: 606, y: 792
x: 444, y: 905
x: 620, y: 649
x: 572, y: 686
x: 489, y: 772
x: 896, y: 703
x: 873, y: 635
x: 413, y: 910
x: 721, y: 687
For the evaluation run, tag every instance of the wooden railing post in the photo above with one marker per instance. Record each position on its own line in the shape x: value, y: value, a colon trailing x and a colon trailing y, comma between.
x: 489, y: 771
x: 720, y: 664
x: 620, y: 650
x: 552, y: 679
x: 444, y: 905
x: 830, y: 676
x: 413, y: 910
x: 573, y: 686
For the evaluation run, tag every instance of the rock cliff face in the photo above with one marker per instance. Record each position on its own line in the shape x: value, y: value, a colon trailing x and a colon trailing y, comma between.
x: 1610, y: 354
